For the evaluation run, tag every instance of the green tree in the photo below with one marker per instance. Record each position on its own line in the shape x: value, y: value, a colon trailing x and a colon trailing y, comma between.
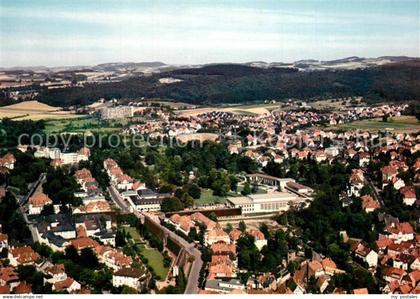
x: 242, y: 226
x: 247, y: 189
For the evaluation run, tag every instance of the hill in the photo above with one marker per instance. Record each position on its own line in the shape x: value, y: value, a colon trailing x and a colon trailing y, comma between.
x: 235, y: 83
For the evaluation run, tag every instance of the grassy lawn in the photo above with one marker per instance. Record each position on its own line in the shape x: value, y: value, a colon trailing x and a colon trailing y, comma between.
x: 259, y: 190
x: 400, y: 124
x: 155, y: 260
x: 207, y: 197
x: 134, y: 233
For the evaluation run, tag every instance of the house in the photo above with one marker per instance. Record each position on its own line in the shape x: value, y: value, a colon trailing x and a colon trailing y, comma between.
x: 401, y: 232
x: 8, y: 161
x: 9, y: 277
x: 329, y: 266
x: 322, y: 282
x: 369, y: 204
x: 69, y: 285
x: 315, y: 269
x: 362, y: 251
x: 4, y: 241
x: 199, y: 218
x: 37, y: 203
x: 182, y: 223
x: 403, y: 261
x: 388, y: 173
x: 260, y: 240
x: 221, y: 267
x: 55, y: 273
x: 356, y: 182
x: 115, y: 259
x: 223, y: 285
x: 234, y: 235
x: 415, y: 265
x: 23, y: 288
x: 393, y: 274
x: 408, y: 194
x: 22, y: 256
x: 222, y: 248
x: 129, y: 277
x: 84, y: 242
x: 216, y: 235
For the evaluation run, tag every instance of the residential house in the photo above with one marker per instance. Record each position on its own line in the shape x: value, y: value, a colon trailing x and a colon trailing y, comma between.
x: 37, y: 203
x: 131, y: 277
x: 365, y: 253
x: 24, y: 255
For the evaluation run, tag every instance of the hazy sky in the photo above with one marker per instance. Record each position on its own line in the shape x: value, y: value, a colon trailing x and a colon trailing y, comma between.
x: 53, y: 33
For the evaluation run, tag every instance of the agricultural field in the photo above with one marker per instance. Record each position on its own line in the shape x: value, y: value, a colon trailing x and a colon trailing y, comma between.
x: 401, y: 124
x: 251, y: 109
x: 34, y: 110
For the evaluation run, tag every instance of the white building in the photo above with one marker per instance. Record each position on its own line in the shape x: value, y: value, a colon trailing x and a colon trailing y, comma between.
x: 128, y: 277
x: 263, y: 203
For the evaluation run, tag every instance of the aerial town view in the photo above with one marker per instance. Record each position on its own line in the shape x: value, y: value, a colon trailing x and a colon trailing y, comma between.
x: 199, y: 147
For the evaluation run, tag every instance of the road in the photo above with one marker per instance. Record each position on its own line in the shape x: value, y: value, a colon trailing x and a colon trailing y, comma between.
x: 192, y: 284
x: 34, y: 186
x: 23, y: 200
x: 117, y: 199
x: 375, y: 191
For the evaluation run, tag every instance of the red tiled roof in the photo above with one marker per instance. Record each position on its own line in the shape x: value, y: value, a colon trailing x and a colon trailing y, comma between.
x: 23, y: 288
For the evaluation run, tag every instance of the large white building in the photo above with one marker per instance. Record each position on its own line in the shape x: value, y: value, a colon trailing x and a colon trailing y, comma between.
x: 117, y: 112
x: 128, y: 277
x: 264, y: 203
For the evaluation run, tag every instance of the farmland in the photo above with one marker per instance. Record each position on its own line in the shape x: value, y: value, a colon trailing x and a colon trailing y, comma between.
x: 396, y: 124
x: 35, y: 111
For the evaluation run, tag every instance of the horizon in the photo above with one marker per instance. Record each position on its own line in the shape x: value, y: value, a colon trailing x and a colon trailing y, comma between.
x: 57, y: 34
x: 197, y: 64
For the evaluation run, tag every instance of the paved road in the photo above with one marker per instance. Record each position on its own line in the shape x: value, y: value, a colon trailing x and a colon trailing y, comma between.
x: 375, y: 191
x: 116, y: 198
x: 23, y: 200
x: 34, y: 186
x: 192, y: 284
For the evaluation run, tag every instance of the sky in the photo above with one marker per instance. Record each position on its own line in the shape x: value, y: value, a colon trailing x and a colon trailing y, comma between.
x: 81, y: 32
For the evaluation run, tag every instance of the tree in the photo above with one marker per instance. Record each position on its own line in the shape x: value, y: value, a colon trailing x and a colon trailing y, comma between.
x: 247, y: 189
x: 242, y: 226
x: 213, y: 216
x: 193, y: 233
x: 194, y: 190
x: 120, y: 239
x: 171, y: 204
x: 88, y: 258
x: 264, y: 230
x: 128, y: 290
x: 71, y: 253
x: 228, y: 228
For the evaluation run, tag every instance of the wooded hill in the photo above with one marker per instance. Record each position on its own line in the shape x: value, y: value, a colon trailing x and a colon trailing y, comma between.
x: 236, y: 83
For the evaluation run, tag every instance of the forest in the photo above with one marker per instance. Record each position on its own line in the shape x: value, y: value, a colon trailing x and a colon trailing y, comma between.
x: 233, y: 83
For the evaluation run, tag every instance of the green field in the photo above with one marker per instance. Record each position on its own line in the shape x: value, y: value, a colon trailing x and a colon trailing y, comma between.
x: 155, y: 260
x: 134, y: 234
x: 80, y: 125
x: 207, y: 198
x: 399, y: 124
